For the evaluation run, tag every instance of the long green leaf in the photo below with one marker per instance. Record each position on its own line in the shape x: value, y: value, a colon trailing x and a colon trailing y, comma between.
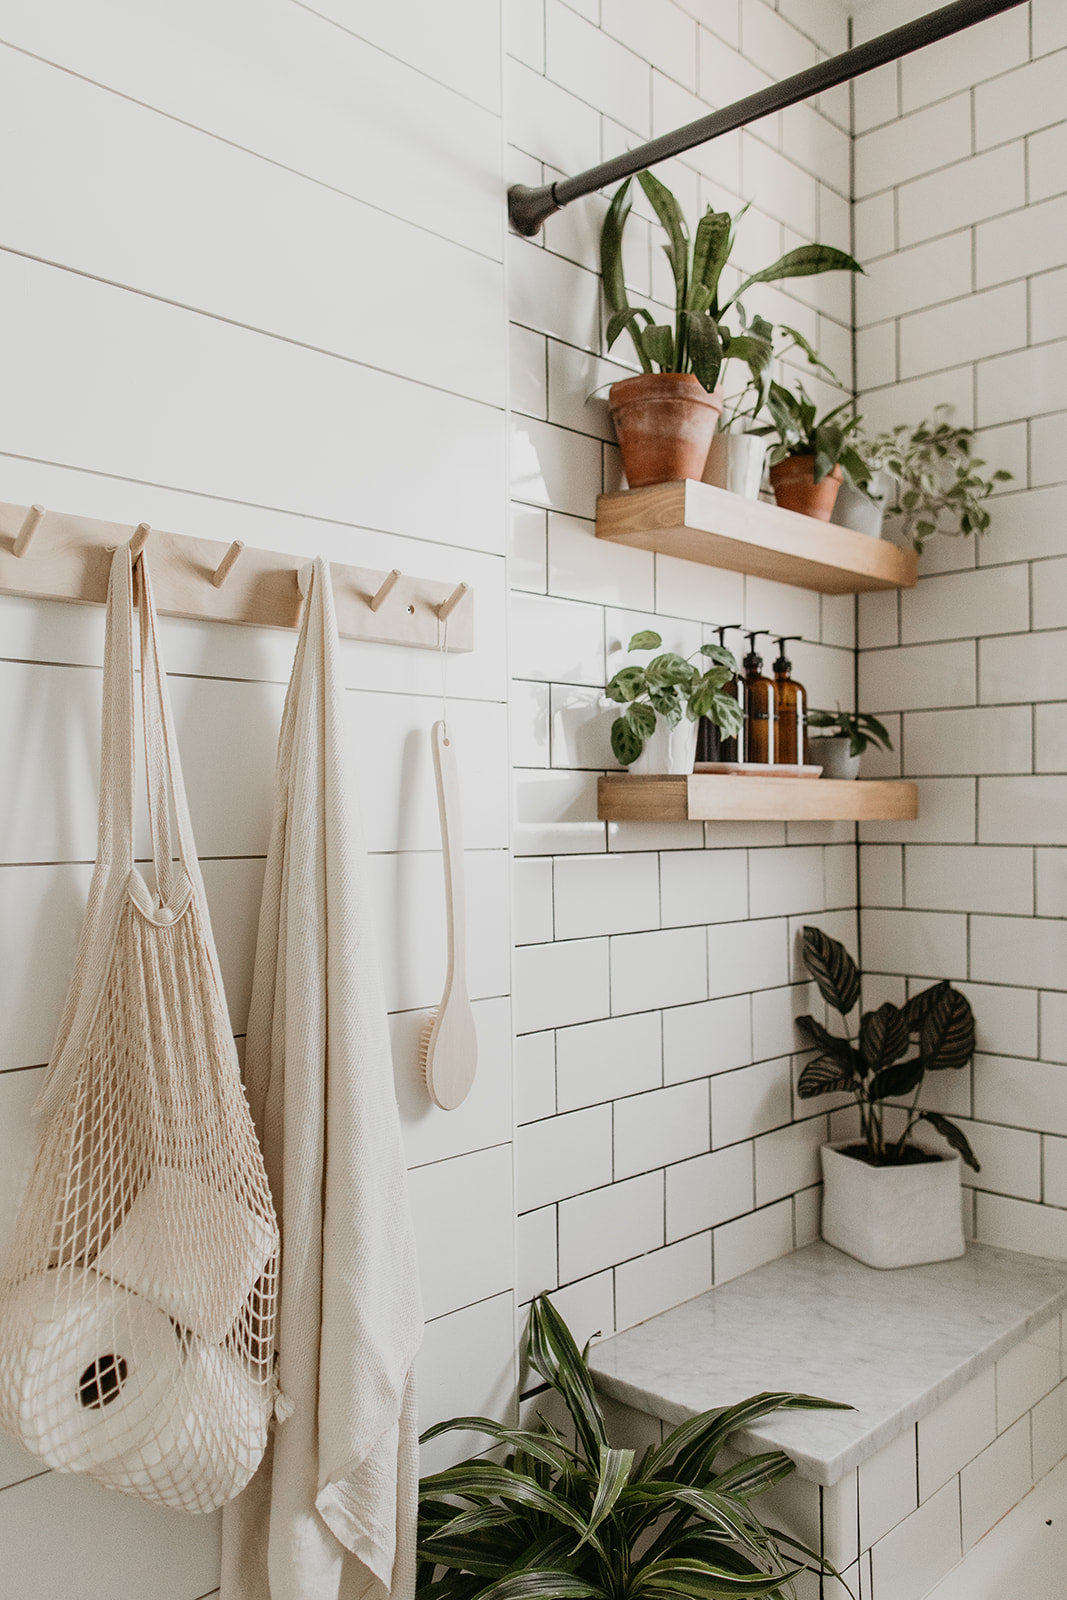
x: 658, y: 340
x: 615, y: 1466
x: 544, y: 1585
x: 756, y: 1473
x: 711, y: 249
x: 611, y: 235
x: 689, y: 1451
x: 629, y: 320
x: 554, y: 1354
x: 705, y: 347
x: 701, y: 1581
x: 484, y: 1481
x: 554, y: 1452
x: 803, y: 262
x: 671, y: 219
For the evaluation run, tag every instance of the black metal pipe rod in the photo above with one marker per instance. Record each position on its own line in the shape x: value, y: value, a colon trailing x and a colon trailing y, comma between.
x: 528, y: 207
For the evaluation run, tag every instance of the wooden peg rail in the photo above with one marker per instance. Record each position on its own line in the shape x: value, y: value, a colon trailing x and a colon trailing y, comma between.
x: 68, y: 557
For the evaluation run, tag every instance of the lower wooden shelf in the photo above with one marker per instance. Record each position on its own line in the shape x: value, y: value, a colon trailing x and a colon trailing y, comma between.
x: 711, y: 797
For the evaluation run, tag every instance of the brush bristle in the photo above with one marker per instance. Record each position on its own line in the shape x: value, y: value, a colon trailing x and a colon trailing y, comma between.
x: 425, y: 1033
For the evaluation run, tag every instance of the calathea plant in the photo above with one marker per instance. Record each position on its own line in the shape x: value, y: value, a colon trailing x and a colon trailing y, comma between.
x: 697, y: 341
x: 670, y: 686
x: 875, y: 1066
x: 590, y: 1522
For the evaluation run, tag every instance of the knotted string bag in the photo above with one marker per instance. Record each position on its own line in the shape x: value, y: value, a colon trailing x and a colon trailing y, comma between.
x: 137, y: 1301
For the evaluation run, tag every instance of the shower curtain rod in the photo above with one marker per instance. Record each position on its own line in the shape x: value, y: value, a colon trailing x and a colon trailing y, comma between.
x: 528, y: 207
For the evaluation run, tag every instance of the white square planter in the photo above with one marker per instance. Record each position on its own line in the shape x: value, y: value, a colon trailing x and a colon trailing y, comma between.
x: 892, y: 1216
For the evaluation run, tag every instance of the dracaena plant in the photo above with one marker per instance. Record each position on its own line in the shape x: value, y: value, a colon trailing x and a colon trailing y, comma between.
x: 875, y: 1066
x: 801, y: 432
x: 697, y: 341
x: 589, y: 1522
x: 672, y: 687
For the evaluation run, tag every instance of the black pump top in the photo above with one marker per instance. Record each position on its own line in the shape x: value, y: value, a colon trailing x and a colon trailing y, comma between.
x: 782, y: 667
x: 722, y: 629
x: 754, y: 662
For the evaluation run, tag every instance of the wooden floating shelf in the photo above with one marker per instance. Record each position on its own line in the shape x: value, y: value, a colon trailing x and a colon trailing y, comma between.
x: 698, y: 522
x: 68, y: 557
x: 713, y: 797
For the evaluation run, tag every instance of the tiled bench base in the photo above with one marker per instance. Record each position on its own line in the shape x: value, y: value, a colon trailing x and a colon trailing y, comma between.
x: 900, y: 1519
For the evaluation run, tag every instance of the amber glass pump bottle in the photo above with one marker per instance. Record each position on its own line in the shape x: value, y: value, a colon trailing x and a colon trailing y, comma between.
x: 712, y: 743
x: 759, y: 737
x: 790, y: 707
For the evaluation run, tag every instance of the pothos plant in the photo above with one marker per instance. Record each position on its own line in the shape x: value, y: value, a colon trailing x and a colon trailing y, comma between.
x: 671, y: 686
x: 697, y: 340
x: 875, y: 1066
x: 589, y: 1522
x: 941, y: 488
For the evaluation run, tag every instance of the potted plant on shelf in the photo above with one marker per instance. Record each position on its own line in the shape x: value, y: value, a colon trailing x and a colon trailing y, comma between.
x: 664, y: 700
x: 665, y: 417
x: 839, y: 752
x: 812, y: 454
x: 556, y: 1521
x: 739, y: 448
x: 888, y: 1201
x: 941, y: 489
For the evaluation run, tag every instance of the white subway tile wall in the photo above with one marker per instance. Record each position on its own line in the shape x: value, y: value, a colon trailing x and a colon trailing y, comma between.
x: 960, y: 197
x: 670, y: 1011
x: 659, y: 1147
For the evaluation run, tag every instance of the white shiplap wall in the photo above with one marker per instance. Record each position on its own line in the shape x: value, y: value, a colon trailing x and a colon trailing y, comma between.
x: 961, y: 190
x: 253, y: 287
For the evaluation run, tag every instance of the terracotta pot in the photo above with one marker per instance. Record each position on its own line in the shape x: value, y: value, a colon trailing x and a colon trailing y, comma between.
x: 793, y: 482
x: 665, y: 422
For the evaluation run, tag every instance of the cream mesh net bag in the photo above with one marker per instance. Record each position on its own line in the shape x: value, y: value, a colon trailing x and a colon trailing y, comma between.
x: 137, y: 1300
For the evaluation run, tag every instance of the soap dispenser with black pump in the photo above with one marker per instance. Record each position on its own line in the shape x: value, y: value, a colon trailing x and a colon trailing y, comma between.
x: 759, y: 732
x: 713, y: 745
x: 790, y: 707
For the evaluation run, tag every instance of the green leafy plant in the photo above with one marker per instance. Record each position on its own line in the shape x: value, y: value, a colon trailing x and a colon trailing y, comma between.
x: 781, y: 341
x: 855, y: 726
x: 875, y: 1067
x: 697, y: 341
x: 941, y: 489
x: 670, y: 686
x: 590, y: 1522
x: 801, y: 432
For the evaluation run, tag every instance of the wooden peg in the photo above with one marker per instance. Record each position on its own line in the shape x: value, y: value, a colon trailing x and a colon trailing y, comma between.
x: 446, y: 608
x: 139, y: 540
x: 34, y: 518
x: 227, y: 564
x: 389, y: 582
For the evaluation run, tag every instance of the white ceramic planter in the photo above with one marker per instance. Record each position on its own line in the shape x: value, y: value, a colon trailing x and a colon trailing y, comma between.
x: 892, y: 1216
x: 831, y: 754
x: 860, y: 512
x: 735, y: 462
x: 668, y: 751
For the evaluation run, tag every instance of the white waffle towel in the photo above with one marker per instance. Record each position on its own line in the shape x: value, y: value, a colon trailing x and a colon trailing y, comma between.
x: 331, y: 1513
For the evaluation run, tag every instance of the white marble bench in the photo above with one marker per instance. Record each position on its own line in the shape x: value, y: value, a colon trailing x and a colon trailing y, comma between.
x: 956, y: 1371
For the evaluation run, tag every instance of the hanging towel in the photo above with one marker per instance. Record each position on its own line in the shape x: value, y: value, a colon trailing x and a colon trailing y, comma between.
x: 331, y: 1513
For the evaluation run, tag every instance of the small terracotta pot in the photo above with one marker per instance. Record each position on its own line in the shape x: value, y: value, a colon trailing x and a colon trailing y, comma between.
x: 665, y: 422
x: 793, y: 482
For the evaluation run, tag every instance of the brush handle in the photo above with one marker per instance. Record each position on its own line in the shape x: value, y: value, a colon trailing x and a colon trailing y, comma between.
x: 447, y: 775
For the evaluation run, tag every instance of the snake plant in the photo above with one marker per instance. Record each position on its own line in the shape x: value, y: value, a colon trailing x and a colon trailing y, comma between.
x: 584, y: 1521
x: 698, y: 341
